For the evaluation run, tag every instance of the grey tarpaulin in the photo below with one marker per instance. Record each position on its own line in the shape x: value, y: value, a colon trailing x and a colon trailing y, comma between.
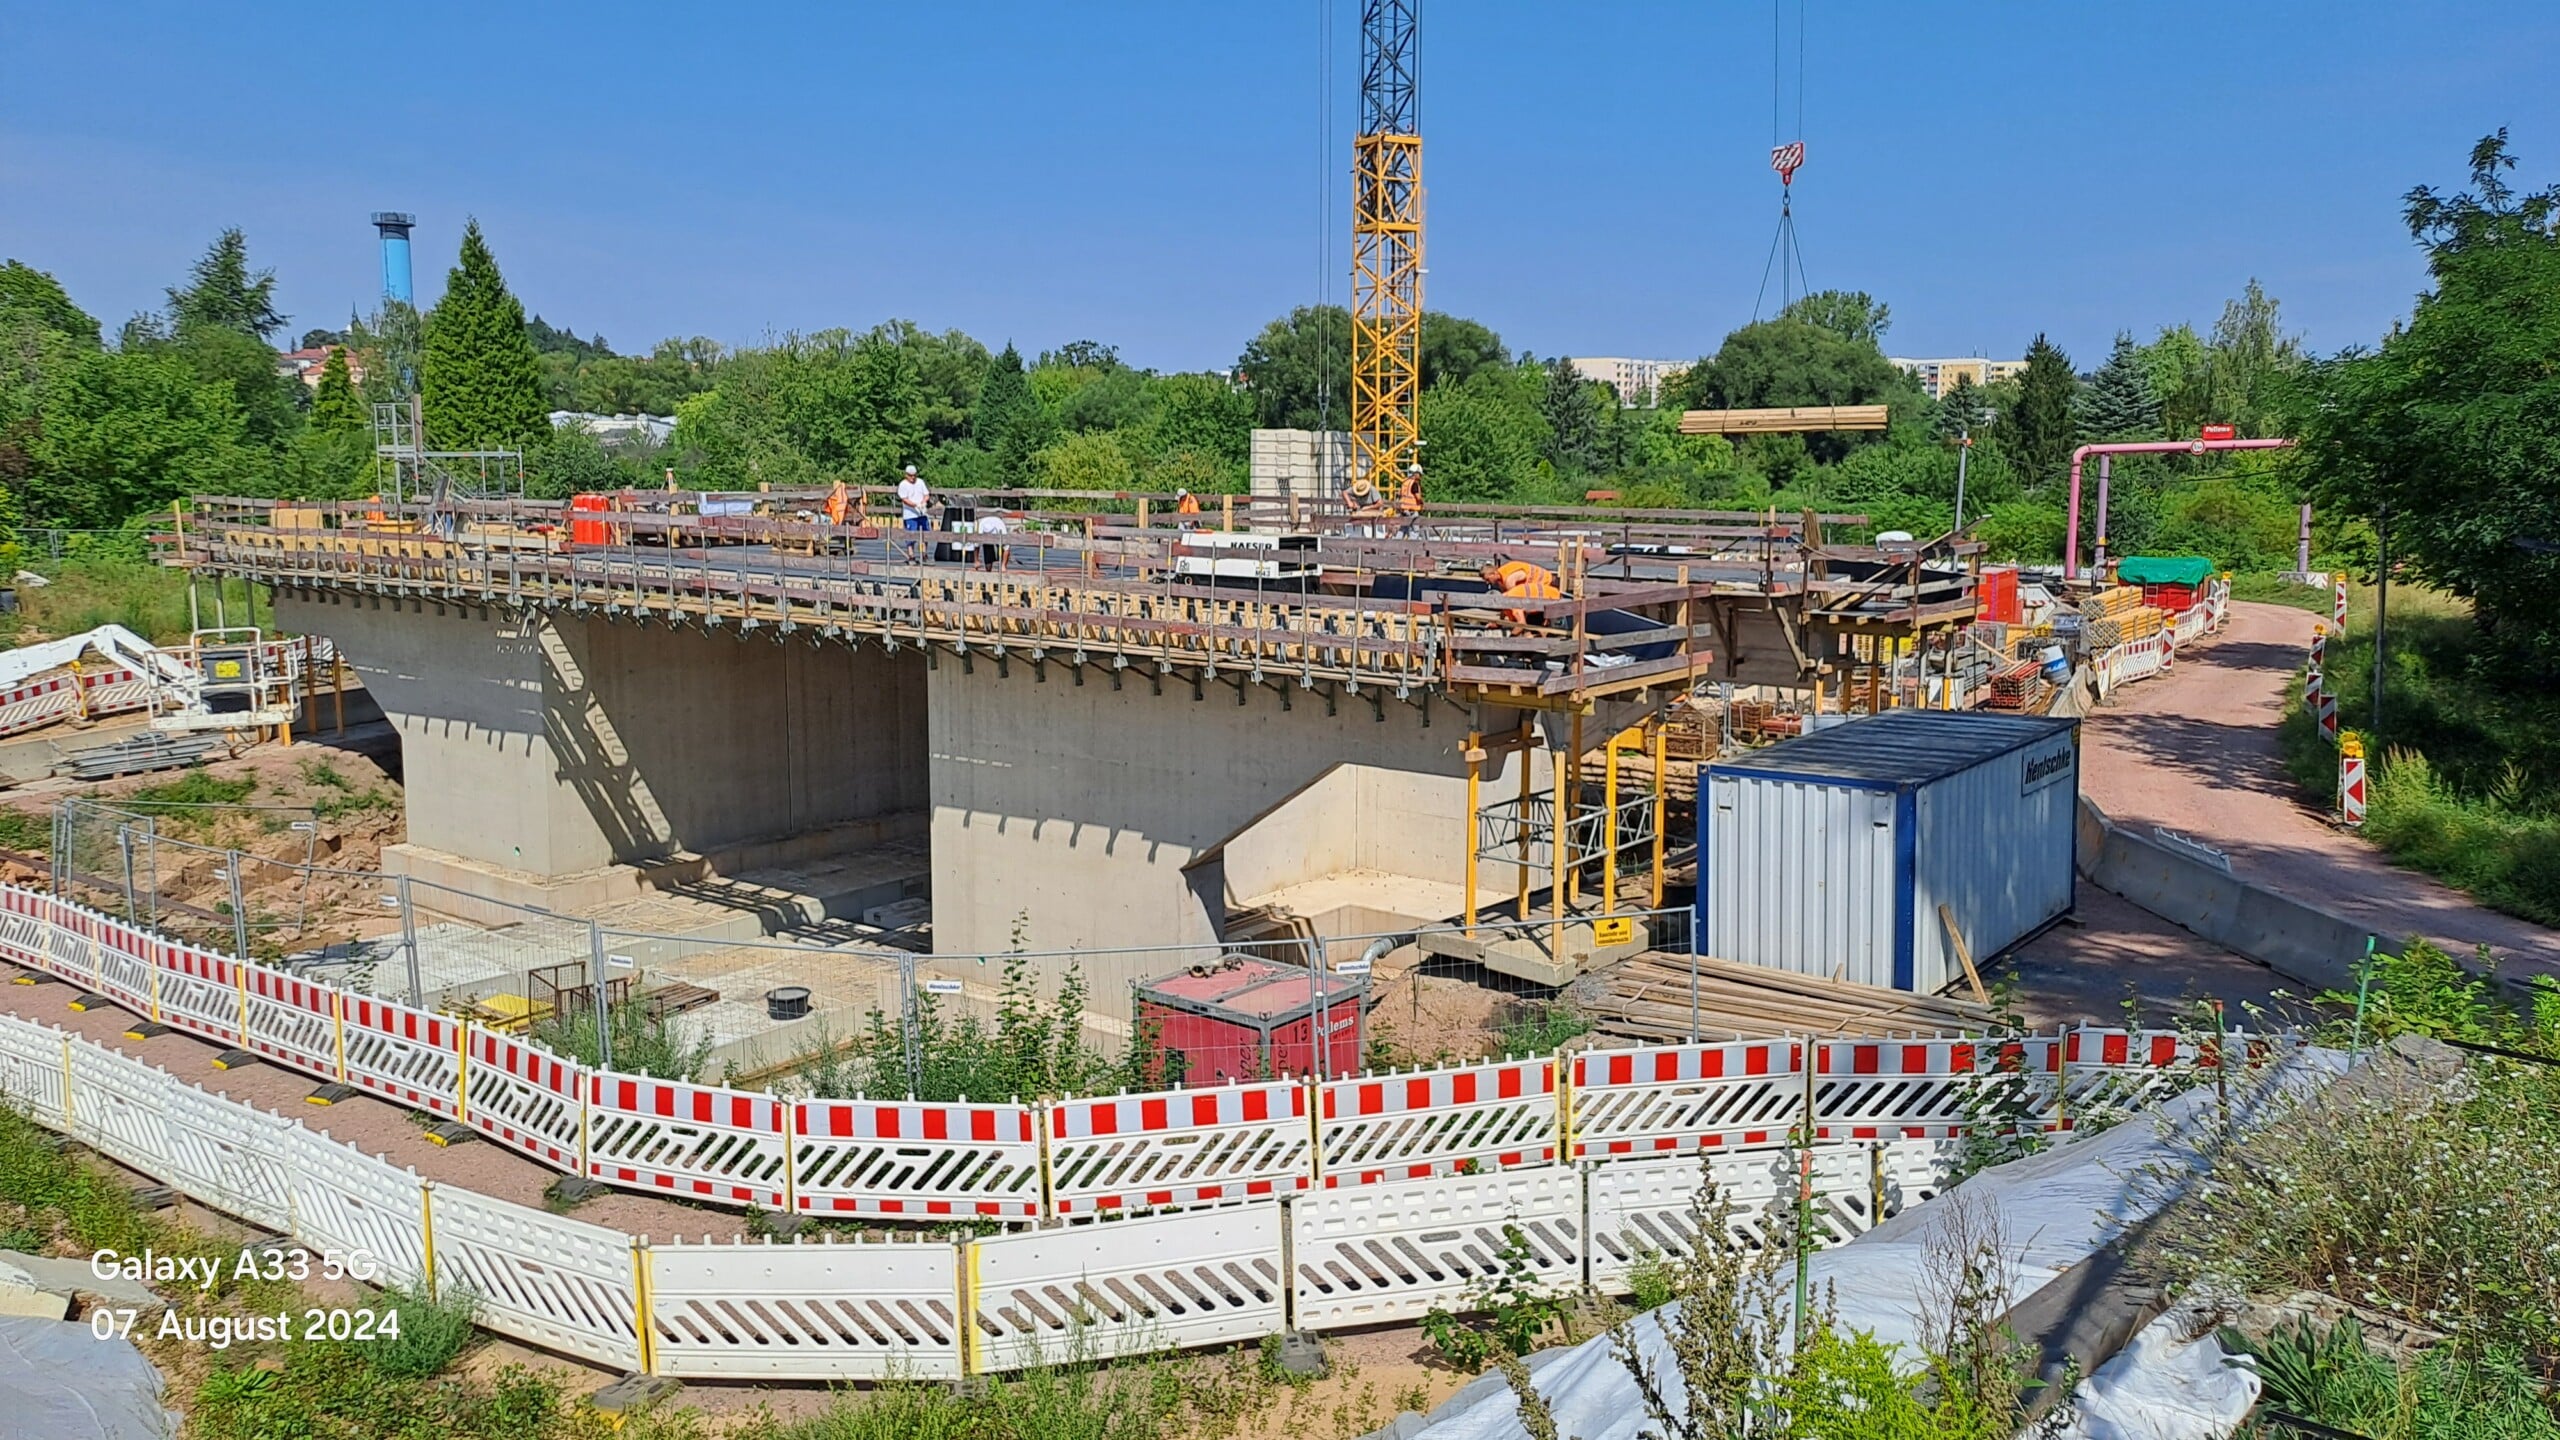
x: 58, y: 1381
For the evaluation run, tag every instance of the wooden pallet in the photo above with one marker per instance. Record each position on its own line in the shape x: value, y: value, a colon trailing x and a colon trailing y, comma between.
x: 1647, y: 999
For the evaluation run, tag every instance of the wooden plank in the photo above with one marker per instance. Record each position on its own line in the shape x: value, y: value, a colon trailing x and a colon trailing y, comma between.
x: 1788, y: 419
x: 1964, y: 952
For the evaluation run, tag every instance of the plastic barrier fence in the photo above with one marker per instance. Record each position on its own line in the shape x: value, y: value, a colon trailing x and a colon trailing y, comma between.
x: 1181, y: 1147
x: 1167, y: 1150
x: 1327, y: 1258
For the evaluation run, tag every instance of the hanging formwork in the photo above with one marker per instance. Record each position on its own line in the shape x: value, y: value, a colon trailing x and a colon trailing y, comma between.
x: 1834, y: 854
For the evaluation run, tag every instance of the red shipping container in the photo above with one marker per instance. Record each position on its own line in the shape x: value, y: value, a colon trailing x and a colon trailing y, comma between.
x: 1995, y: 597
x: 589, y: 532
x: 2172, y: 598
x: 1247, y: 1019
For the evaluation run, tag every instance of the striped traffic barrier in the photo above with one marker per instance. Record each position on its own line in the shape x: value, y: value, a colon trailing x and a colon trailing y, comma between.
x: 2351, y: 791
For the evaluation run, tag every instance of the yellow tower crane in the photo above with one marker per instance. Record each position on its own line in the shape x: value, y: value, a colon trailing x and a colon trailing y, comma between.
x: 1386, y: 247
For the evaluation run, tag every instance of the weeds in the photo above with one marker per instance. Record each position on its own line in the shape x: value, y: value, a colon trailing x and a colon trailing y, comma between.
x: 341, y: 797
x: 1539, y: 1028
x: 643, y: 1044
x: 1515, y: 1312
x: 432, y: 1331
x: 2334, y: 1378
x: 22, y: 831
x: 1035, y: 1048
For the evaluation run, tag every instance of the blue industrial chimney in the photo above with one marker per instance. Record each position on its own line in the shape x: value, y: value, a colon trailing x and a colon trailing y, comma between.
x: 395, y: 255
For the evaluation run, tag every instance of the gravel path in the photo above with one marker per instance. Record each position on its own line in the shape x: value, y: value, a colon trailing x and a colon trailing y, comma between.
x: 2195, y: 751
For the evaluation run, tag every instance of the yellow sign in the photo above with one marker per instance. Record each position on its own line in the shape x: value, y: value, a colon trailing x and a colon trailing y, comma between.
x: 1619, y: 931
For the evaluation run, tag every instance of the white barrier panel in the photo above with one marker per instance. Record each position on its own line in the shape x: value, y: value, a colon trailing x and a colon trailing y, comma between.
x: 116, y: 1105
x: 555, y: 1281
x: 404, y: 1055
x: 31, y: 1061
x: 863, y: 1311
x: 2108, y: 1074
x: 358, y: 1209
x: 1680, y: 1097
x: 1641, y: 1210
x: 1432, y: 1122
x: 1128, y: 1287
x: 292, y: 1020
x: 525, y: 1097
x: 1369, y: 1254
x: 228, y: 1155
x: 688, y: 1139
x: 124, y: 976
x: 878, y: 1157
x: 1183, y: 1147
x: 1914, y: 1089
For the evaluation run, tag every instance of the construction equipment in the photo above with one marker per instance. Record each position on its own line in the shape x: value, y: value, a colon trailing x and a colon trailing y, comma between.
x: 1386, y: 246
x: 233, y: 685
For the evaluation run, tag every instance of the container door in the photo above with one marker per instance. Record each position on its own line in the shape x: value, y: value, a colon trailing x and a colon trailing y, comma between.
x: 1800, y: 877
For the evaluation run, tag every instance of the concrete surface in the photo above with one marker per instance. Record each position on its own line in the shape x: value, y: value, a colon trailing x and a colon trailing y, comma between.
x: 2195, y: 751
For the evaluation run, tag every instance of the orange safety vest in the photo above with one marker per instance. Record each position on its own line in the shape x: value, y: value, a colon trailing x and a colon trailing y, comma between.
x: 1190, y: 505
x: 1409, y: 495
x: 838, y: 506
x: 1523, y: 581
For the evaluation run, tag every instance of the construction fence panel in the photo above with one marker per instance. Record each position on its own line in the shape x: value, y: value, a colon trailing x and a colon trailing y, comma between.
x: 357, y: 1209
x: 561, y: 1283
x: 31, y: 1070
x: 1373, y: 1254
x: 1179, y: 1147
x: 1898, y: 1089
x: 1111, y: 1287
x: 877, y: 1157
x: 229, y: 1155
x: 67, y: 944
x: 526, y: 1097
x: 686, y: 1139
x: 1660, y: 1099
x: 116, y: 1106
x: 200, y: 993
x: 2106, y: 1075
x: 292, y: 1020
x: 1436, y: 1122
x: 25, y: 931
x: 407, y: 1056
x: 760, y: 1311
x: 38, y: 703
x: 123, y: 966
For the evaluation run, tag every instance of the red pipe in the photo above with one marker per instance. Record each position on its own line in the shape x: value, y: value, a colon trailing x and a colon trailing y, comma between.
x: 2071, y: 549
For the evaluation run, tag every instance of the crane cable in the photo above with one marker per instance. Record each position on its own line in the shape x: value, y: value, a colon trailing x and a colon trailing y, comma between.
x: 1785, y: 155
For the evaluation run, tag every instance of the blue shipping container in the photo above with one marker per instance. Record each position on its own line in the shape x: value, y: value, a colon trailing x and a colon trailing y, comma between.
x: 1830, y: 854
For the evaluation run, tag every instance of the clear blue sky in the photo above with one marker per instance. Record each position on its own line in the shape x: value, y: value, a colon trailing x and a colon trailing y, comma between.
x: 1146, y: 173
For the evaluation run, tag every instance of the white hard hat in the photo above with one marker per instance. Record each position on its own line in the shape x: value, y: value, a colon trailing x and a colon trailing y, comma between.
x: 1414, y: 468
x: 1180, y: 493
x: 911, y: 469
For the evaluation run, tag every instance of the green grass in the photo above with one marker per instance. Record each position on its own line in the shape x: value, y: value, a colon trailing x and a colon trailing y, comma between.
x: 2334, y: 1378
x: 2463, y: 774
x: 147, y: 599
x: 22, y: 830
x: 2269, y: 588
x: 1539, y: 1028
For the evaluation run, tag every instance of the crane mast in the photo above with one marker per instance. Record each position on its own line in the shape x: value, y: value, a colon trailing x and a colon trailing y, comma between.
x: 1386, y: 246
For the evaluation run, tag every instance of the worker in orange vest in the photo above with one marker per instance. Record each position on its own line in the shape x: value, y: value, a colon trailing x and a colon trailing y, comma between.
x: 839, y: 503
x: 1521, y: 580
x: 1409, y: 498
x: 373, y: 511
x: 1185, y: 504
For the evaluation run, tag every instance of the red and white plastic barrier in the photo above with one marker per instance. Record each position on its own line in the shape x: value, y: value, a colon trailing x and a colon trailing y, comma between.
x: 1433, y: 1122
x: 1179, y: 1147
x: 405, y: 1055
x: 2351, y: 784
x: 878, y: 1157
x: 1686, y: 1097
x: 686, y: 1139
x: 290, y: 1019
x: 524, y: 1096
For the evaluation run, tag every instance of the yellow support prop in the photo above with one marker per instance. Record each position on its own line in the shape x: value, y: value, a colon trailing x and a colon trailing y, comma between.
x: 427, y: 1229
x: 1526, y: 786
x: 462, y: 1072
x: 1475, y: 792
x: 1661, y: 783
x: 640, y: 1321
x: 338, y: 1022
x: 1609, y: 824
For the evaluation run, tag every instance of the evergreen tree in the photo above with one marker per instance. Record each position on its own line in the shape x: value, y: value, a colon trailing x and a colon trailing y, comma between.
x: 1570, y: 404
x: 1008, y: 421
x: 2118, y: 403
x: 334, y: 406
x: 1961, y: 410
x: 221, y: 292
x: 477, y: 372
x: 2039, y: 433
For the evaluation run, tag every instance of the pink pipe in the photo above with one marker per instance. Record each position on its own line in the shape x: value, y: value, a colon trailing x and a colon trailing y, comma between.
x: 2071, y: 549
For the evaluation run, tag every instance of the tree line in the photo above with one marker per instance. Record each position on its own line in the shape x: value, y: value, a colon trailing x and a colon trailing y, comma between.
x: 96, y: 430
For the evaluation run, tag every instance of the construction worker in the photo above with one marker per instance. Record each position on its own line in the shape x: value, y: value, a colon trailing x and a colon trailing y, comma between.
x: 839, y: 503
x: 915, y: 508
x: 1409, y: 498
x: 373, y: 510
x: 1364, y: 504
x: 1521, y: 580
x: 1185, y: 503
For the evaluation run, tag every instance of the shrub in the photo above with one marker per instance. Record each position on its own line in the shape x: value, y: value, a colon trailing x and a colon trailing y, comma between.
x: 643, y: 1044
x: 2334, y: 1378
x: 431, y: 1331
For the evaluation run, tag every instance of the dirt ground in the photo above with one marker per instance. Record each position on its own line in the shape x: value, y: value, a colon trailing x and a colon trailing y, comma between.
x: 2195, y: 751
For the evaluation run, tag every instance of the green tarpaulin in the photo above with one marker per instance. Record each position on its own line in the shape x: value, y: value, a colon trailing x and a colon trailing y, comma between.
x: 2163, y: 570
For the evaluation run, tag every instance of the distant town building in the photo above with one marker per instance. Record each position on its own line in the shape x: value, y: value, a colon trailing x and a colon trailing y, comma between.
x: 616, y: 429
x: 1638, y: 381
x: 1939, y: 376
x: 306, y: 365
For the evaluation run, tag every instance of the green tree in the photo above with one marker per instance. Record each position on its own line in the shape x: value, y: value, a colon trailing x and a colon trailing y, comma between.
x: 477, y: 373
x: 389, y: 342
x: 1454, y: 348
x: 1085, y: 462
x: 33, y: 302
x: 1853, y: 315
x: 2175, y: 364
x: 1790, y: 361
x: 1299, y: 369
x: 121, y: 433
x: 2251, y: 365
x: 1570, y: 403
x: 2039, y: 434
x: 1009, y: 421
x: 223, y: 293
x: 334, y: 406
x: 1961, y: 411
x: 1484, y: 439
x: 2448, y: 436
x: 2117, y: 403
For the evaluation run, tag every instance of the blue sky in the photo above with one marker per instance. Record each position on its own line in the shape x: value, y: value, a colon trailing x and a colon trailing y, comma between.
x: 1147, y: 173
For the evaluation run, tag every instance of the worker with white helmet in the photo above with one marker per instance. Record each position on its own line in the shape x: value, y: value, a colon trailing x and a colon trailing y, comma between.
x: 915, y: 505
